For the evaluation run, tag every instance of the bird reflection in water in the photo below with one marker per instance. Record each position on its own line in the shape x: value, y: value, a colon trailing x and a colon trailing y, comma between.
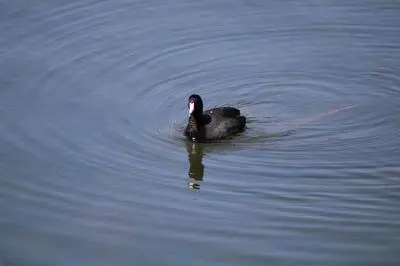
x: 196, y: 168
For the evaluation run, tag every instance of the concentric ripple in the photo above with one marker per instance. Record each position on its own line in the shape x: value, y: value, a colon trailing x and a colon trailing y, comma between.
x: 93, y: 106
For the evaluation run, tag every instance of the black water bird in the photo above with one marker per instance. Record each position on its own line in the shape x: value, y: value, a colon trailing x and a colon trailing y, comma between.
x: 213, y: 124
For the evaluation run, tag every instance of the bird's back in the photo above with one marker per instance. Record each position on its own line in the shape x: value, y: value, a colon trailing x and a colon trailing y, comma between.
x: 223, y: 112
x: 222, y: 122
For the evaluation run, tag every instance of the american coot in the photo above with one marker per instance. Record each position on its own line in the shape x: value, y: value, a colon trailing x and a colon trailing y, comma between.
x: 213, y: 124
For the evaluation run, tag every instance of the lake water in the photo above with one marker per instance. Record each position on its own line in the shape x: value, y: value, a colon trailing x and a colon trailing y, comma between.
x: 94, y: 169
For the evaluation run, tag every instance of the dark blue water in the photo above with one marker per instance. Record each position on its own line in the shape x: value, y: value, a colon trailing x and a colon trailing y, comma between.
x: 94, y: 169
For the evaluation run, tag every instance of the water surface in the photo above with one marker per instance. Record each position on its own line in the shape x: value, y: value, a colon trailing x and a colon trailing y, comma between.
x: 94, y: 169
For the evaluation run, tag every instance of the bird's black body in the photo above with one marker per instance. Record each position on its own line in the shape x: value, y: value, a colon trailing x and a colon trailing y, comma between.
x: 213, y: 124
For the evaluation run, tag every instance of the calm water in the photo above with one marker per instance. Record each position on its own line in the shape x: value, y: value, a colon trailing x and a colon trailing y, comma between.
x: 94, y: 169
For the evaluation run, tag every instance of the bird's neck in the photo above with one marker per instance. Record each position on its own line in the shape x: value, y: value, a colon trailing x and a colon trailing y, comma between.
x: 192, y: 129
x: 195, y: 121
x: 197, y: 114
x: 197, y: 118
x: 195, y: 126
